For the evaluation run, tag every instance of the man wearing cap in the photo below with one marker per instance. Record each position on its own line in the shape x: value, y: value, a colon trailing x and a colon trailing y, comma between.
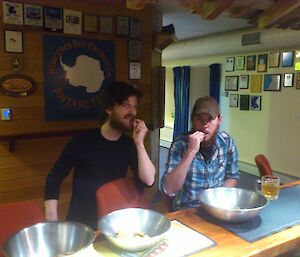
x: 201, y: 158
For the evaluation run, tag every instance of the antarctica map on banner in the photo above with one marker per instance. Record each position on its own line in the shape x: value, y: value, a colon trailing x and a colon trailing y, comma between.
x: 76, y: 70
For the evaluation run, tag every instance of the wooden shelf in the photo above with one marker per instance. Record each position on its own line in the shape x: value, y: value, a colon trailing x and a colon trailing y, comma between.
x: 162, y: 40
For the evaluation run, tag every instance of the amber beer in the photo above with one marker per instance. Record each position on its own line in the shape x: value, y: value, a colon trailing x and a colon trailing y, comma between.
x: 270, y: 186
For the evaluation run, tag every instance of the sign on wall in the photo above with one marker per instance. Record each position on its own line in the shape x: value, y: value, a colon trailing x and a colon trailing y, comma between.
x: 76, y: 70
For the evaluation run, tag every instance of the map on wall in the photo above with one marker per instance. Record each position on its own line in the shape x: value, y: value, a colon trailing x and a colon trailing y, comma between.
x: 76, y: 70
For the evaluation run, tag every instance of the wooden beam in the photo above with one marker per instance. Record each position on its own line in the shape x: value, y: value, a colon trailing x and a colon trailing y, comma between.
x: 279, y: 10
x: 220, y: 7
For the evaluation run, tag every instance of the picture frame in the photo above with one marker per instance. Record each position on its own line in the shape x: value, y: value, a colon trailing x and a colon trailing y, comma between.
x: 297, y: 80
x: 122, y: 26
x: 135, y: 28
x: 134, y: 50
x: 274, y: 60
x: 244, y: 81
x: 231, y: 83
x: 72, y: 22
x: 90, y: 23
x: 262, y: 61
x: 272, y: 82
x: 17, y: 85
x: 287, y: 59
x: 233, y: 100
x: 33, y: 15
x: 229, y: 64
x: 239, y: 63
x: 256, y: 83
x: 255, y: 103
x: 13, y: 41
x: 288, y: 80
x: 135, y: 70
x: 12, y: 13
x: 53, y: 19
x: 106, y: 25
x: 251, y: 62
x: 244, y: 102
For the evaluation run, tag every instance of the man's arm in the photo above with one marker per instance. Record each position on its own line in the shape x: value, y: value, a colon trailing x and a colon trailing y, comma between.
x: 51, y: 210
x: 146, y: 169
x: 175, y: 179
x: 230, y: 182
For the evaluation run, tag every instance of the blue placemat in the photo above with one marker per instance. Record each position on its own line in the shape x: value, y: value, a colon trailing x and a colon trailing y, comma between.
x: 276, y: 216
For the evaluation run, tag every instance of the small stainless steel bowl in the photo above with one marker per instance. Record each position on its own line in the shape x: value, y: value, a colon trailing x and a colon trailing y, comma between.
x: 234, y: 205
x: 152, y: 224
x: 49, y: 239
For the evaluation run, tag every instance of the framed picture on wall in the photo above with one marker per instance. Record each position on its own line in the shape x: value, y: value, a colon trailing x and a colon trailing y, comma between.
x: 90, y: 23
x: 262, y: 60
x: 231, y: 83
x: 251, y: 62
x: 243, y: 81
x: 13, y: 41
x: 53, y: 18
x: 288, y: 80
x: 229, y: 64
x: 122, y: 26
x: 234, y: 100
x: 256, y: 83
x: 240, y: 63
x: 135, y: 70
x: 272, y: 82
x: 72, y: 22
x: 12, y: 13
x: 297, y: 81
x: 135, y: 28
x: 244, y: 102
x: 274, y: 60
x: 135, y: 50
x: 106, y: 25
x: 33, y: 15
x: 255, y: 102
x: 287, y: 59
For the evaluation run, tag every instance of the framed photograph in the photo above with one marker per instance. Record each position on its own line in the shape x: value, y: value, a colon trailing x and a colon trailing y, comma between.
x: 244, y: 102
x: 53, y: 18
x: 298, y: 80
x: 106, y: 25
x: 288, y: 80
x: 72, y: 22
x: 239, y: 63
x: 12, y: 13
x: 287, y: 59
x: 135, y: 28
x: 234, y: 100
x: 229, y: 64
x: 255, y: 102
x: 135, y: 50
x: 231, y: 83
x: 297, y: 60
x: 122, y: 26
x: 135, y: 70
x: 251, y: 62
x: 244, y: 81
x: 13, y: 41
x: 262, y: 60
x: 256, y: 83
x: 90, y: 23
x: 33, y: 15
x: 272, y: 82
x: 274, y: 60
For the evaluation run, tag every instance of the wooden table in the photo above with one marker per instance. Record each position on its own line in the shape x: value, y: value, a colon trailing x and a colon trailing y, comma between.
x: 228, y: 244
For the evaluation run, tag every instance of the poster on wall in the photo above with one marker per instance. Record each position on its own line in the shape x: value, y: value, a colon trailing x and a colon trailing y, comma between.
x: 33, y: 15
x: 72, y: 22
x: 12, y: 13
x: 76, y: 71
x: 53, y: 19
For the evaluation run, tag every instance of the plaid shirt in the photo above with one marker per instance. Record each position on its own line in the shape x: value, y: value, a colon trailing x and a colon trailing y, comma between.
x: 201, y: 175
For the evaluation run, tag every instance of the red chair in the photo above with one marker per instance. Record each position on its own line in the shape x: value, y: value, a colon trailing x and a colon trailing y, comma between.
x: 119, y: 194
x: 263, y: 165
x: 16, y: 216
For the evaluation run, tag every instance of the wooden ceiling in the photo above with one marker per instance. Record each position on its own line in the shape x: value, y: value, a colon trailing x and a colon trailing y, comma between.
x: 283, y: 14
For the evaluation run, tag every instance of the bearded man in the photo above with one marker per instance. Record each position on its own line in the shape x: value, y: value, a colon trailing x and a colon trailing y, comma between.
x: 101, y: 155
x: 201, y: 158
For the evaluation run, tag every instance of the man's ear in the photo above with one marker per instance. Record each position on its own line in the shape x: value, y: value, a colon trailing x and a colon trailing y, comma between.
x: 219, y: 119
x: 108, y: 111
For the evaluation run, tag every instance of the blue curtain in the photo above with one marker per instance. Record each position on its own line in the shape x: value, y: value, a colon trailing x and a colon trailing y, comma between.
x: 214, y: 80
x: 182, y: 99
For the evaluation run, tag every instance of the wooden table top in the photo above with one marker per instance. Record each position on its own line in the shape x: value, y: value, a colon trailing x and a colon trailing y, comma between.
x: 228, y: 244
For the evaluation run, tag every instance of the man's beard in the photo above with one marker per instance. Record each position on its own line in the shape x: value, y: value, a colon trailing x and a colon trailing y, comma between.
x: 211, y: 141
x: 116, y: 123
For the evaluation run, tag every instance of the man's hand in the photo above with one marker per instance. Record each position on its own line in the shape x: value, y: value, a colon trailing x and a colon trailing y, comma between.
x: 194, y: 141
x: 51, y: 210
x: 139, y: 131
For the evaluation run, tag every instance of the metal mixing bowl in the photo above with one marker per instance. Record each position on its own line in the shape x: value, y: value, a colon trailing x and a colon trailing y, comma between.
x: 49, y: 239
x: 127, y: 222
x: 232, y: 205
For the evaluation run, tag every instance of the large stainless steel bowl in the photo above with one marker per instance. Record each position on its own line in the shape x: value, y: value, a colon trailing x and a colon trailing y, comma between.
x: 232, y: 205
x: 49, y: 239
x: 120, y: 226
